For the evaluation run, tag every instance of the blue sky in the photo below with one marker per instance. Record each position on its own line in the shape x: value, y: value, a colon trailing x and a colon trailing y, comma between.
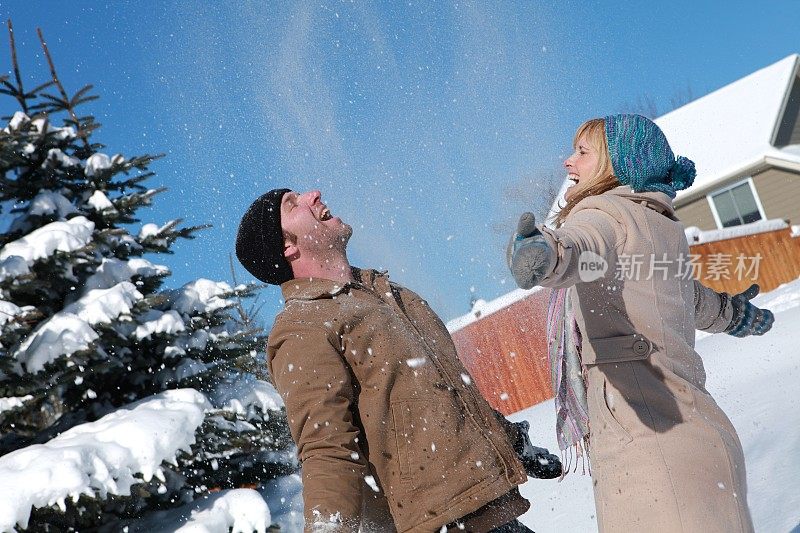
x: 429, y: 126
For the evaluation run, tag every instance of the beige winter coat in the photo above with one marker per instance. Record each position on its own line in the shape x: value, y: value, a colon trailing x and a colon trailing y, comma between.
x: 373, y: 387
x: 664, y: 456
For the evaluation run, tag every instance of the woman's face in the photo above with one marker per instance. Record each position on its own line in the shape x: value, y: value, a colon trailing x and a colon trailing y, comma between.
x: 581, y: 167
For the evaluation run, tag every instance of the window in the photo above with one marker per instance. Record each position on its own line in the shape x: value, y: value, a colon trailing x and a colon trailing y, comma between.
x: 736, y: 205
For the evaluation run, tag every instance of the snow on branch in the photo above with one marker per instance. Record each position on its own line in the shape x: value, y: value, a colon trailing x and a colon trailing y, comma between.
x: 9, y: 311
x: 99, y: 458
x: 104, y: 305
x: 70, y: 330
x: 112, y: 271
x: 235, y: 510
x: 67, y: 236
x: 201, y: 296
x: 242, y: 394
x: 238, y: 510
x: 7, y: 404
x: 61, y: 335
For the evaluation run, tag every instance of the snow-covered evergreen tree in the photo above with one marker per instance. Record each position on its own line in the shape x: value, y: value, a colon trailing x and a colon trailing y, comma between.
x: 118, y: 398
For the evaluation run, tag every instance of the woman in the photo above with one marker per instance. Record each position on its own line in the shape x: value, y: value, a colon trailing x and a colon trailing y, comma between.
x: 628, y: 383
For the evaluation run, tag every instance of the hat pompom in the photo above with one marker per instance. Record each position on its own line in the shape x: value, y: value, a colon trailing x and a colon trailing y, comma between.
x: 682, y: 173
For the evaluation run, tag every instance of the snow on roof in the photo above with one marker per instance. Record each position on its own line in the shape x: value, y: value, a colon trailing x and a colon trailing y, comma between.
x: 696, y: 236
x: 483, y: 308
x: 100, y: 458
x: 732, y: 126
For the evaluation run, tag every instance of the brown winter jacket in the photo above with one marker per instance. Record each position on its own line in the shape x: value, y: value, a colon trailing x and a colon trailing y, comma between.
x: 373, y: 387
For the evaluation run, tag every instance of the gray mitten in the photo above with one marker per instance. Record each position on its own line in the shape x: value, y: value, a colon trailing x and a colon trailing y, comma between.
x: 528, y: 254
x: 747, y: 318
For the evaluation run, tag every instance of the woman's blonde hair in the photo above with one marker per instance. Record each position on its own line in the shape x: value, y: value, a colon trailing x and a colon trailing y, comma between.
x: 603, y: 178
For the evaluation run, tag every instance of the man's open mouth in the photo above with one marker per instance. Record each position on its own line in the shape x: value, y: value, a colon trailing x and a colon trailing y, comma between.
x: 325, y: 214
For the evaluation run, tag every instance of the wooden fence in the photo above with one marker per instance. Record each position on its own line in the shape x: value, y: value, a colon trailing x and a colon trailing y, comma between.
x: 506, y: 351
x: 776, y: 253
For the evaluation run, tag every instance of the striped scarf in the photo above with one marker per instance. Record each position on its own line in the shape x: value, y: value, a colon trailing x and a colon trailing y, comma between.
x: 567, y: 378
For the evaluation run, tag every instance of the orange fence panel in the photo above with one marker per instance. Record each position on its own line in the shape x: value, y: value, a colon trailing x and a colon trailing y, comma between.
x: 506, y: 353
x: 777, y: 253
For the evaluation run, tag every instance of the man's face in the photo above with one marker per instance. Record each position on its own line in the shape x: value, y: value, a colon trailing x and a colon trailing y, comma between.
x: 309, y: 225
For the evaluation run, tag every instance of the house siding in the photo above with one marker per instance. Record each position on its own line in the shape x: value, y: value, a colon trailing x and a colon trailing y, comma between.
x: 697, y: 213
x: 779, y: 191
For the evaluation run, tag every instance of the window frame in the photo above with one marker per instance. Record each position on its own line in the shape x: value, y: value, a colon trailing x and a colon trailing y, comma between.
x: 753, y: 191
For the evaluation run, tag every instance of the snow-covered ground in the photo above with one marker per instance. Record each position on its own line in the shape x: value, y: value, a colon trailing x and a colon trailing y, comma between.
x: 756, y: 381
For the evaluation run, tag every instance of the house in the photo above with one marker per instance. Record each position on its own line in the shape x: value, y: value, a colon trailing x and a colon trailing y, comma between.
x: 745, y: 141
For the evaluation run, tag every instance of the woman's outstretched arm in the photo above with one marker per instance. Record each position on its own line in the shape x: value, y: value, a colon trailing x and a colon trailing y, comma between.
x: 588, y: 242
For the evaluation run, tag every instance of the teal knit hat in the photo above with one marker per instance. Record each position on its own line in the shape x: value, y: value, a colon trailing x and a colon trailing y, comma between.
x: 642, y: 158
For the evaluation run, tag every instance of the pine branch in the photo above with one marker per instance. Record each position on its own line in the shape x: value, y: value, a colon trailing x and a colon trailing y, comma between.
x: 58, y: 84
x: 20, y: 96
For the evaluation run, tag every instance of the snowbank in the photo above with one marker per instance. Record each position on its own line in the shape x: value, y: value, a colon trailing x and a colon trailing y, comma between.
x: 100, y: 458
x: 754, y: 380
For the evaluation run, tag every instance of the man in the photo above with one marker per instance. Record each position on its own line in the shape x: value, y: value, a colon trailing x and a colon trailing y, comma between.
x: 391, y: 432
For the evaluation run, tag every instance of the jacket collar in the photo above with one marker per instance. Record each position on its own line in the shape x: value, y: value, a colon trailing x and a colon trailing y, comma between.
x: 654, y: 199
x: 321, y: 288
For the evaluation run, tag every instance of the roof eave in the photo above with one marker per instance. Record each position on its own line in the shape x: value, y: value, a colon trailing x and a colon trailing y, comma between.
x: 760, y: 163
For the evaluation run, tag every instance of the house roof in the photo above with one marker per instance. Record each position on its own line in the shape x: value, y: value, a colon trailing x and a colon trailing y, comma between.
x: 731, y: 131
x: 733, y: 127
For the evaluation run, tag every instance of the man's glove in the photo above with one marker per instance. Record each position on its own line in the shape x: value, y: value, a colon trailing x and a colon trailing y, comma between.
x: 747, y: 318
x: 528, y: 255
x: 538, y: 462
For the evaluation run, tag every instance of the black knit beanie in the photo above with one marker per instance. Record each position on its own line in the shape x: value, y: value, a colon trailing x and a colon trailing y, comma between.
x: 259, y: 242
